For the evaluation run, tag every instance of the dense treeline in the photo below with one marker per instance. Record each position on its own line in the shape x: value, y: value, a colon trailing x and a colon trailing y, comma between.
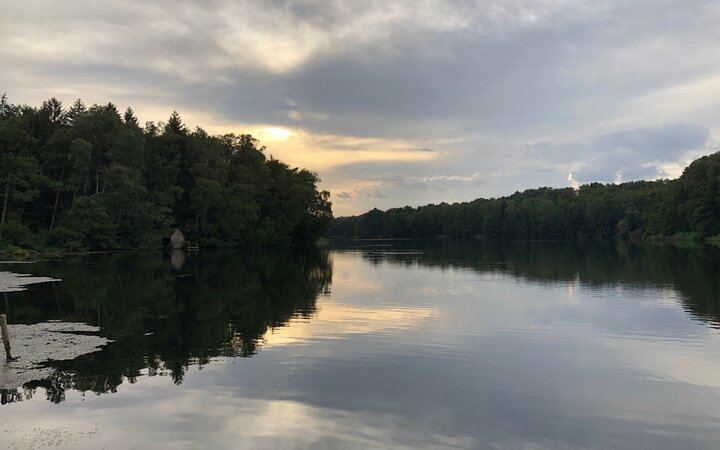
x: 93, y: 178
x: 634, y: 210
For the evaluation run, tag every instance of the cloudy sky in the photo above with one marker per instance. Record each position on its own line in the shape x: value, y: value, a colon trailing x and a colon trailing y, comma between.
x: 397, y: 102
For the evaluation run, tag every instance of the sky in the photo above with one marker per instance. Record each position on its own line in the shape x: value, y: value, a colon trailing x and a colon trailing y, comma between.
x: 403, y: 102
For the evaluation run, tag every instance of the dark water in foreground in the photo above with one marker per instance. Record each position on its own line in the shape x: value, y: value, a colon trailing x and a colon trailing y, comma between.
x: 379, y: 344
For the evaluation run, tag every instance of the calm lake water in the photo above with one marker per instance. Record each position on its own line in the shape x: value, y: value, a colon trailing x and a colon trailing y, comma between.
x: 379, y: 344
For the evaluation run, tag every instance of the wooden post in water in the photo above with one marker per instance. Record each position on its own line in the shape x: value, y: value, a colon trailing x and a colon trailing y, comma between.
x: 5, y: 336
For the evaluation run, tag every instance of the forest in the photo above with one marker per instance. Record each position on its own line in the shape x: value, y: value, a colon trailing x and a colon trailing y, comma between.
x: 92, y: 178
x: 687, y: 208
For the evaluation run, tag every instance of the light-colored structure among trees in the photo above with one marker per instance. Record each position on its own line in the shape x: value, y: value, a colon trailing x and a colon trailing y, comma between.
x: 174, y: 240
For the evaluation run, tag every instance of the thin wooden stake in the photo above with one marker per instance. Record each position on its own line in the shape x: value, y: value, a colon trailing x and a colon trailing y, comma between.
x: 5, y: 336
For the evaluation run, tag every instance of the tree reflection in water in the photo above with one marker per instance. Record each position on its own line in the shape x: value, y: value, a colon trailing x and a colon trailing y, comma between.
x: 165, y: 313
x: 693, y: 272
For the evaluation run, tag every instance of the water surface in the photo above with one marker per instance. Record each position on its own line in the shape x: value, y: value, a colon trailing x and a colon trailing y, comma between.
x: 379, y: 344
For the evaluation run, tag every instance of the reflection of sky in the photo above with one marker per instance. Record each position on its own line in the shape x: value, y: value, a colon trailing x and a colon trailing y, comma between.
x: 401, y: 356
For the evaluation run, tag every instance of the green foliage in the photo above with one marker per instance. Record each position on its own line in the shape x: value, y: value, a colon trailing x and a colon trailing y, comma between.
x: 86, y: 226
x: 635, y: 210
x: 696, y: 198
x: 92, y: 179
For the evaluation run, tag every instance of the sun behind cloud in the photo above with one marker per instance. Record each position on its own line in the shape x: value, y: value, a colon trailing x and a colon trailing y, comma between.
x: 273, y: 134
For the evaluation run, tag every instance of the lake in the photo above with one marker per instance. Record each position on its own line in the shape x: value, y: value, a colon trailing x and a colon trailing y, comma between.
x: 377, y: 344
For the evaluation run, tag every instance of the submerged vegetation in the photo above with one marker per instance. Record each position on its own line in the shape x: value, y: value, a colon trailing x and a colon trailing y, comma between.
x: 91, y: 178
x: 686, y: 209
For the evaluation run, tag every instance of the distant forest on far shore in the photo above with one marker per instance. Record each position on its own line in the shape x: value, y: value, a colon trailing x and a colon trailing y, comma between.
x: 91, y: 178
x: 687, y: 208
